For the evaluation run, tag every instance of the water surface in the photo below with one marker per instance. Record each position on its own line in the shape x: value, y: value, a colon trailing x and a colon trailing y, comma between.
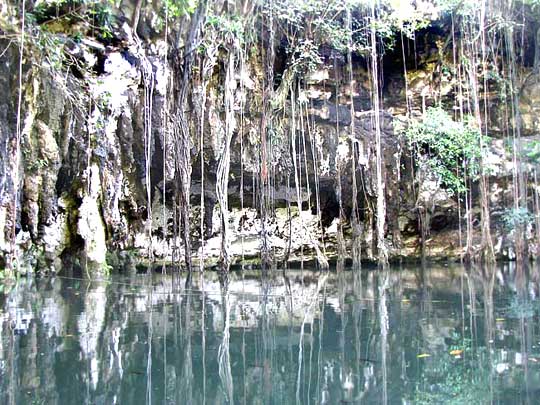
x: 433, y: 335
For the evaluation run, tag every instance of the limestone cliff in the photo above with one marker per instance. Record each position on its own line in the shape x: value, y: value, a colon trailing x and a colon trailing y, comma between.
x: 97, y: 168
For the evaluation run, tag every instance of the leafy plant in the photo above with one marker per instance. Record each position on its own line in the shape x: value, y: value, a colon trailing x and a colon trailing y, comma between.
x: 230, y: 28
x: 306, y: 57
x: 59, y: 16
x: 531, y: 152
x: 179, y: 8
x: 102, y: 18
x: 454, y: 376
x: 516, y: 217
x: 447, y: 148
x: 52, y: 49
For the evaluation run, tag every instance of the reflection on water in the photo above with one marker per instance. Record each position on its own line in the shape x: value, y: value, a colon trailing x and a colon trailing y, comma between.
x: 404, y: 336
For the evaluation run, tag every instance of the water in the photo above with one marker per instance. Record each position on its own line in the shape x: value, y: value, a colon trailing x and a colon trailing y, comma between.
x: 408, y: 336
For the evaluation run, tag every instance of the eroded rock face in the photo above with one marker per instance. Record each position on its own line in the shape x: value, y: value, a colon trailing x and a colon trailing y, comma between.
x: 41, y: 163
x: 90, y: 225
x: 94, y: 144
x: 530, y: 105
x: 7, y: 130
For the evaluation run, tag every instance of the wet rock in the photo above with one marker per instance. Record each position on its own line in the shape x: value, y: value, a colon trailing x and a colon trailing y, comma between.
x: 529, y: 105
x: 86, y: 142
x: 327, y: 112
x: 56, y: 236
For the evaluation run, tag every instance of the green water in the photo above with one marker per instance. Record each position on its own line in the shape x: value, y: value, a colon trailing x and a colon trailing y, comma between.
x: 407, y: 336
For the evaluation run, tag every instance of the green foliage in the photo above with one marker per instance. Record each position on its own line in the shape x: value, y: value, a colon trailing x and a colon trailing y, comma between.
x: 447, y: 148
x: 319, y: 22
x: 59, y: 16
x: 230, y: 28
x: 53, y: 22
x: 516, y: 217
x: 102, y: 18
x: 406, y: 17
x: 37, y: 164
x: 105, y: 270
x: 309, y: 25
x: 52, y: 49
x: 531, y: 152
x: 501, y: 17
x: 172, y: 10
x: 450, y: 379
x: 456, y: 384
x: 459, y: 7
x: 305, y: 57
x: 179, y: 8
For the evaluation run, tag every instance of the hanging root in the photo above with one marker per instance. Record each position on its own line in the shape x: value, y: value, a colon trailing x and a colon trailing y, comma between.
x: 222, y: 184
x: 148, y: 82
x: 182, y: 135
x: 381, y: 201
x: 322, y: 260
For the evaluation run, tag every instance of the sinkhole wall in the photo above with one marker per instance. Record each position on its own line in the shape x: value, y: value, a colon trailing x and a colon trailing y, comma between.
x: 96, y: 167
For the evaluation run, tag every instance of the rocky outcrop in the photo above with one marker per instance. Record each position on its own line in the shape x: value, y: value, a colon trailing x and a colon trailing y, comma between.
x: 98, y: 137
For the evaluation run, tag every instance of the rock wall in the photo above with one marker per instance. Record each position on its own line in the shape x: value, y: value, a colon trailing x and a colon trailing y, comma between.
x: 96, y: 128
